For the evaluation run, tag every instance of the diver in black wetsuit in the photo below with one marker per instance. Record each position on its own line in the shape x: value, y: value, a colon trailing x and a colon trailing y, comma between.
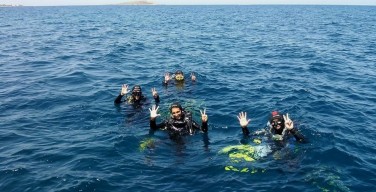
x: 136, y: 97
x: 178, y: 76
x: 280, y: 127
x: 180, y: 123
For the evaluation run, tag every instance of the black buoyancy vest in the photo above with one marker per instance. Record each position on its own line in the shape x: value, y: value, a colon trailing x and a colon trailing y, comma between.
x: 182, y: 126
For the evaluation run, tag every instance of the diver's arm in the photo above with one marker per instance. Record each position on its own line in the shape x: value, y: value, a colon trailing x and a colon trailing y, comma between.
x: 156, y: 99
x: 155, y: 95
x: 204, y: 120
x: 204, y: 126
x: 167, y: 78
x: 153, y: 116
x: 298, y: 136
x: 289, y: 124
x: 155, y: 126
x: 245, y: 131
x: 193, y: 77
x: 118, y: 99
x: 243, y: 121
x: 124, y: 91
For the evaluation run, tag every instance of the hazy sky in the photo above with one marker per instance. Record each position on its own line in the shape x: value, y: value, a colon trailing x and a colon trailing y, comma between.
x: 190, y: 2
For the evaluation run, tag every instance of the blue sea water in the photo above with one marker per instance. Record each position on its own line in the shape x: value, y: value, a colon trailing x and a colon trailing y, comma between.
x: 62, y: 67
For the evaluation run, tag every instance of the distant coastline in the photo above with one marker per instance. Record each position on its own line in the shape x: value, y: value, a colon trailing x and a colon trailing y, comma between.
x: 137, y: 3
x: 5, y: 5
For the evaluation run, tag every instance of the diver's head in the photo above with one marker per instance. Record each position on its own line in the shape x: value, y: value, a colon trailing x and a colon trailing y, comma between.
x: 136, y: 92
x: 277, y: 121
x: 179, y: 75
x: 176, y: 111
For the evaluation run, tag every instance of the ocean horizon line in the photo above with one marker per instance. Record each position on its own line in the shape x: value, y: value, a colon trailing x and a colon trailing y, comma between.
x: 73, y: 5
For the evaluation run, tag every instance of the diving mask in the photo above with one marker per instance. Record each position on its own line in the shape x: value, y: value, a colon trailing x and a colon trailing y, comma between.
x: 179, y: 77
x: 135, y: 94
x: 276, y: 122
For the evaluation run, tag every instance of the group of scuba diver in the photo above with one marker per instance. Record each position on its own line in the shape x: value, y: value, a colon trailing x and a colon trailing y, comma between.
x: 180, y: 123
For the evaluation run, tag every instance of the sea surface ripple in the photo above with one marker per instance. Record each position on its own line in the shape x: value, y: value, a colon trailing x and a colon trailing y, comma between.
x: 62, y: 67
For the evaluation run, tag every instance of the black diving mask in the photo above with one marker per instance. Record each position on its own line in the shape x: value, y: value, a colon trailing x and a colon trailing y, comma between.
x: 277, y: 122
x: 135, y: 94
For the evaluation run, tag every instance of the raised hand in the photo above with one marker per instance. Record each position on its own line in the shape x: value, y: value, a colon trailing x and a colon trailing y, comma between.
x: 154, y: 92
x: 193, y: 76
x: 153, y: 112
x: 243, y: 119
x: 288, y: 122
x: 124, y: 89
x: 167, y: 77
x: 204, y: 116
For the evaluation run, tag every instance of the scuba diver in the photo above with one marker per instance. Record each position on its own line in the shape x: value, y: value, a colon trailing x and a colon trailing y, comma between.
x: 280, y: 127
x: 257, y: 145
x: 180, y: 123
x: 136, y: 96
x: 178, y: 76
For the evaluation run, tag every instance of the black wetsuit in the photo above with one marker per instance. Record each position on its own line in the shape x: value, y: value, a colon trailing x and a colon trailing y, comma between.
x: 185, y: 126
x: 129, y: 99
x: 294, y: 132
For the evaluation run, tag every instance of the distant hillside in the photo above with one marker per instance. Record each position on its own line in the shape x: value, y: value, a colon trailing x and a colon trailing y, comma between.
x: 137, y: 3
x: 5, y: 5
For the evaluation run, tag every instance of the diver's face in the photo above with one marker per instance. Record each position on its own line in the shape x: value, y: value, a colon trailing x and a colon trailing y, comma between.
x: 137, y: 96
x: 277, y: 124
x: 176, y: 113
